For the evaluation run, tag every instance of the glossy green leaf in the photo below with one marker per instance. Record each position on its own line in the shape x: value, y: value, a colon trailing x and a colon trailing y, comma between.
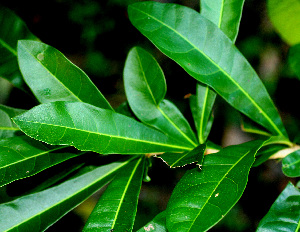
x: 284, y: 214
x: 291, y: 164
x: 145, y: 88
x: 37, y: 211
x: 175, y: 160
x: 12, y: 28
x: 22, y: 156
x: 158, y: 224
x: 226, y: 14
x: 7, y: 126
x: 201, y: 107
x: 116, y: 209
x: 52, y: 77
x: 87, y: 127
x: 265, y: 153
x: 208, y: 55
x: 203, y: 197
x: 294, y: 59
x: 285, y: 17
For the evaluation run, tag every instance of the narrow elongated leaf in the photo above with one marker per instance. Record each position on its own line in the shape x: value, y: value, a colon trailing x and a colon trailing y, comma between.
x: 87, y: 127
x: 7, y: 126
x: 284, y: 214
x: 116, y: 209
x: 291, y: 164
x: 158, y: 224
x: 251, y: 127
x: 202, y: 198
x: 145, y: 88
x: 38, y: 211
x: 22, y: 156
x: 52, y: 77
x: 181, y: 159
x: 12, y: 28
x: 201, y: 107
x: 294, y: 59
x: 265, y: 153
x: 285, y: 17
x: 205, y: 52
x: 226, y: 14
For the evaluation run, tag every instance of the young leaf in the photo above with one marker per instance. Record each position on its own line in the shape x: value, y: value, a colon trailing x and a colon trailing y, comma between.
x: 291, y: 164
x: 116, y: 209
x: 52, y: 77
x: 294, y: 59
x: 7, y: 126
x: 201, y: 107
x: 38, y: 211
x: 89, y: 128
x: 208, y: 55
x: 175, y: 160
x: 12, y: 28
x: 202, y: 198
x: 158, y: 224
x: 285, y: 17
x: 22, y: 156
x: 145, y: 88
x: 284, y: 214
x: 226, y: 14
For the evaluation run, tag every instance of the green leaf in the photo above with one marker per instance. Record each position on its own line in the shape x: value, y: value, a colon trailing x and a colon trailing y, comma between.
x: 201, y: 107
x: 7, y: 127
x: 226, y: 14
x: 294, y: 59
x: 12, y: 28
x: 285, y: 17
x: 291, y: 164
x: 202, y: 198
x: 145, y: 88
x: 116, y: 209
x: 52, y: 77
x: 265, y: 153
x: 37, y: 211
x: 158, y: 224
x: 22, y: 156
x: 284, y: 214
x: 208, y: 55
x: 87, y: 127
x: 251, y: 127
x: 175, y: 160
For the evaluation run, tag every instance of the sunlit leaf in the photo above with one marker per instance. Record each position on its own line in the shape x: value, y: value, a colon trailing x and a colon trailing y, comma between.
x: 291, y: 164
x: 52, y: 77
x: 284, y: 214
x: 22, y: 156
x: 203, y: 197
x: 208, y: 55
x: 181, y: 159
x: 116, y: 209
x: 285, y: 17
x: 87, y: 127
x: 145, y: 87
x: 37, y: 211
x: 12, y: 28
x: 7, y: 126
x: 158, y: 224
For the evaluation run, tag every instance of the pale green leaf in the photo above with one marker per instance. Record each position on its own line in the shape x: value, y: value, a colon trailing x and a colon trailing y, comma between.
x: 291, y: 164
x: 89, y: 128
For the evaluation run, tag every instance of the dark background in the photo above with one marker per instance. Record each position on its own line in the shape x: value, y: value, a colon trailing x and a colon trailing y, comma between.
x: 97, y: 35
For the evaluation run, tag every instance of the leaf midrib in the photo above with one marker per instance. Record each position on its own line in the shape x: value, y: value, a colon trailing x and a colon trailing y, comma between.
x: 8, y: 47
x: 225, y: 73
x: 111, y: 136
